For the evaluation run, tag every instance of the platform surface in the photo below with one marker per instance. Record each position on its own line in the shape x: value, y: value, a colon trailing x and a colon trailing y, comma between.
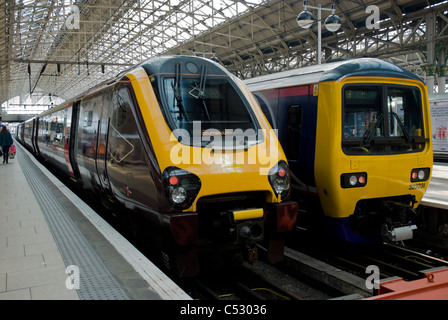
x: 437, y: 193
x: 53, y: 246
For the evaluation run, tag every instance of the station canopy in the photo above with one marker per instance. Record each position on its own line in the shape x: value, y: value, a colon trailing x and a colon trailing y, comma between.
x: 59, y: 48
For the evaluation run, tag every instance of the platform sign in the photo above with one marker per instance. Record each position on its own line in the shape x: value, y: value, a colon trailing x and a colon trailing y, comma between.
x: 439, y: 125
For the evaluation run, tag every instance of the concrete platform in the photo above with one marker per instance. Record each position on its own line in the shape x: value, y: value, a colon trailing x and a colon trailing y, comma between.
x: 436, y: 195
x: 54, y: 247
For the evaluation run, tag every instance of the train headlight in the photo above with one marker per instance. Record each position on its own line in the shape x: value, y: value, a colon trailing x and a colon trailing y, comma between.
x: 353, y: 180
x: 178, y: 195
x: 280, y: 179
x: 181, y: 187
x: 420, y: 174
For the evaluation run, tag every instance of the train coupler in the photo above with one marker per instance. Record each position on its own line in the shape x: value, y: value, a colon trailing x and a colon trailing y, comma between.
x: 252, y: 253
x: 396, y: 234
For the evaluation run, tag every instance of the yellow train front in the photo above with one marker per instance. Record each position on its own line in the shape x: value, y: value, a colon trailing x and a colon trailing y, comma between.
x: 225, y: 175
x: 178, y: 147
x: 357, y: 137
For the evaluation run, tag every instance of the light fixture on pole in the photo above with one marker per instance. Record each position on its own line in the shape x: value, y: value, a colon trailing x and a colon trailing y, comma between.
x: 305, y: 20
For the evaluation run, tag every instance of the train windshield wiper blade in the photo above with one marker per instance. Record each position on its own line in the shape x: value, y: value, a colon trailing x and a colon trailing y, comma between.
x: 367, y: 139
x: 202, y: 86
x: 403, y: 129
x: 201, y: 91
x: 198, y: 91
x: 177, y: 87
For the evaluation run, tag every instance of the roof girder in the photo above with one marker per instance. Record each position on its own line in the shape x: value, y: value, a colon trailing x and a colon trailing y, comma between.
x: 248, y: 38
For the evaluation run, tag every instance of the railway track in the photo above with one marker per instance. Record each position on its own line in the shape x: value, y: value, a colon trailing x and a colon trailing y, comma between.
x: 415, y: 259
x: 391, y: 260
x: 299, y: 277
x: 259, y: 281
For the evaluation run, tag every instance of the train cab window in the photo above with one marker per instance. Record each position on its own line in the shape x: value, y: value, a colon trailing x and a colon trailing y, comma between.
x: 212, y: 103
x: 382, y: 119
x: 405, y: 114
x: 362, y: 112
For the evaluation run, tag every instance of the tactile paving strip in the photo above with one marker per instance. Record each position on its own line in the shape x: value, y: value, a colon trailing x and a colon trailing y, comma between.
x: 96, y: 281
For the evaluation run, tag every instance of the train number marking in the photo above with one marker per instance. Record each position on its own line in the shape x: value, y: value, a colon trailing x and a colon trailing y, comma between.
x: 416, y: 186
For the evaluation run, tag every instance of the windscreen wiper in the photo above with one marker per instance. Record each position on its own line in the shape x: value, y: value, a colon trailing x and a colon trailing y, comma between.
x: 198, y: 91
x: 403, y: 129
x: 177, y: 88
x: 202, y: 90
x: 367, y: 139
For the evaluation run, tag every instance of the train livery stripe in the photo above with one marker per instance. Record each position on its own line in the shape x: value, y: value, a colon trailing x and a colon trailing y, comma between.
x: 294, y: 91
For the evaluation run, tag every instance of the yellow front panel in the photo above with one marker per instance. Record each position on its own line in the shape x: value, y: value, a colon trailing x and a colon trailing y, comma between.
x: 387, y: 175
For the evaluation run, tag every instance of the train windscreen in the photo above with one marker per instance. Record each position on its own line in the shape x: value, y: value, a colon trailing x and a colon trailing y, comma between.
x: 382, y: 119
x: 205, y: 108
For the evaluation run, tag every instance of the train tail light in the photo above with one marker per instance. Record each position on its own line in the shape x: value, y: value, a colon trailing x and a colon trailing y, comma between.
x: 421, y: 174
x: 181, y: 187
x: 354, y: 180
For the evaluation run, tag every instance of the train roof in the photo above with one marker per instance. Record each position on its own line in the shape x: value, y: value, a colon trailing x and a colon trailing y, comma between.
x: 189, y: 65
x: 334, y: 71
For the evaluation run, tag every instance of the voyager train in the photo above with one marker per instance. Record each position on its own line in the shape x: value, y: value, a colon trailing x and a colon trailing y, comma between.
x: 357, y: 137
x: 180, y: 148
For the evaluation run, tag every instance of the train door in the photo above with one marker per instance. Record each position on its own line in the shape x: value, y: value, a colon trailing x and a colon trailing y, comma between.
x: 72, y: 123
x: 28, y: 134
x: 87, y: 144
x: 67, y: 135
x: 103, y: 132
x: 293, y: 131
x: 293, y: 119
x: 34, y: 136
x: 127, y: 162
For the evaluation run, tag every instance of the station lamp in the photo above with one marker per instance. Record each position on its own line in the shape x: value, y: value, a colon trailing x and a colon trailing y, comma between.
x: 305, y: 20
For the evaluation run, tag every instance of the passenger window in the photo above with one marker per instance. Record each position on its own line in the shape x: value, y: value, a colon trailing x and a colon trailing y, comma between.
x: 123, y: 129
x: 127, y: 164
x: 121, y: 104
x: 59, y: 128
x: 88, y: 118
x: 293, y: 132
